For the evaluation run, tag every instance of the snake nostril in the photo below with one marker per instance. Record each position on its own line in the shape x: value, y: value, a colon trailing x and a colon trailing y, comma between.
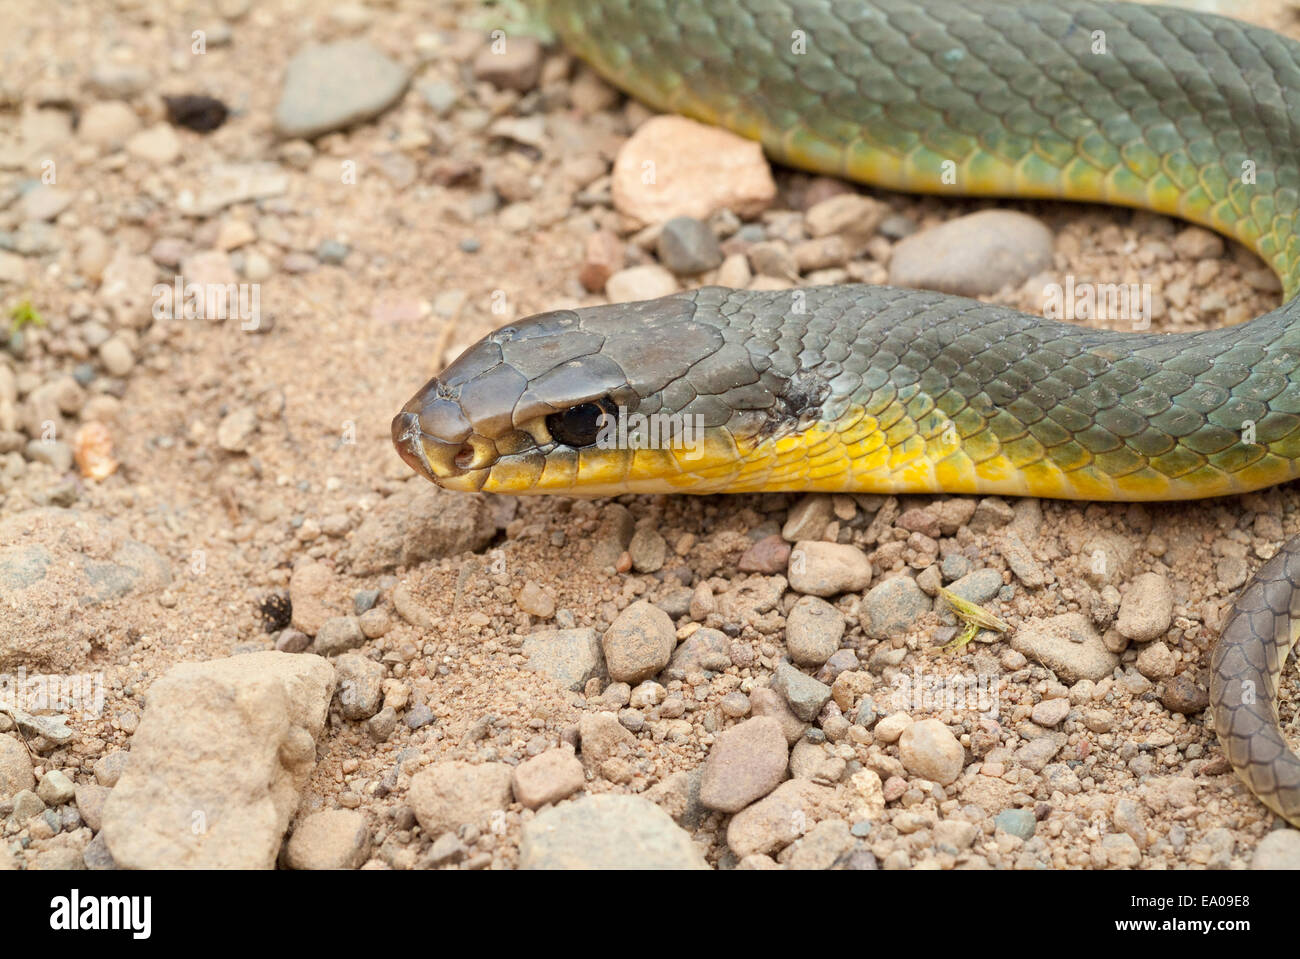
x: 466, y: 456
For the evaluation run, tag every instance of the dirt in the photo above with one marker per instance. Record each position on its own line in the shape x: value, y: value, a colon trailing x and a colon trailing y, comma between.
x: 345, y: 345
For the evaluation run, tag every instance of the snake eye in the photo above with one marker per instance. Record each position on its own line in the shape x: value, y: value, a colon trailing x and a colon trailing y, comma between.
x: 580, y: 425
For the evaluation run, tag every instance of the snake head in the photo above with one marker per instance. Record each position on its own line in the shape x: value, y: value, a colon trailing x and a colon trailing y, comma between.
x: 603, y: 400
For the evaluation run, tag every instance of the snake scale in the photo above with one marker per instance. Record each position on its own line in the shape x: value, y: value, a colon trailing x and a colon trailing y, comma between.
x: 877, y: 389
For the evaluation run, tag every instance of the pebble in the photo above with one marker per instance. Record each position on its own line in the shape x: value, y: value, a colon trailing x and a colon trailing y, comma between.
x: 250, y: 763
x: 333, y: 86
x: 648, y: 550
x: 778, y: 819
x: 90, y: 799
x: 768, y: 702
x: 157, y: 144
x: 547, y: 778
x: 639, y: 643
x: 807, y: 519
x: 55, y: 788
x: 236, y: 429
x: 704, y: 649
x: 805, y: 695
x: 973, y: 255
x: 892, y: 607
x: 1146, y: 608
x: 116, y: 355
x: 338, y: 634
x: 535, y: 601
x: 990, y: 513
x: 571, y: 657
x: 845, y: 213
x: 330, y: 839
x: 1021, y: 561
x: 510, y: 63
x: 44, y: 202
x: 1156, y: 661
x: 735, y: 705
x: 813, y: 630
x: 1016, y: 822
x: 1067, y: 644
x: 607, y: 832
x: 826, y: 569
x: 672, y: 166
x: 647, y: 282
x: 108, y: 124
x: 16, y: 773
x: 360, y: 685
x: 1280, y: 849
x: 688, y: 246
x: 448, y: 795
x: 929, y: 749
x: 602, y: 258
x: 1183, y: 694
x: 1050, y: 712
x: 769, y: 555
x: 746, y: 763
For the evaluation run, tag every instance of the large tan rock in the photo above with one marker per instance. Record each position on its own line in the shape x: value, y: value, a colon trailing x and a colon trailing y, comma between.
x: 218, y: 763
x: 673, y: 166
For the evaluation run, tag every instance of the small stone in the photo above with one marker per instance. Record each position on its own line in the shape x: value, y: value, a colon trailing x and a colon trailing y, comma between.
x: 607, y: 832
x: 639, y: 643
x: 236, y: 429
x: 157, y: 144
x: 990, y: 513
x: 16, y: 773
x: 1050, y: 712
x: 768, y: 702
x: 535, y: 601
x: 108, y: 124
x: 1067, y: 644
x: 602, y: 258
x: 55, y: 788
x: 892, y: 607
x: 338, y: 634
x: 331, y: 839
x: 334, y: 86
x: 694, y: 170
x: 889, y: 729
x: 1146, y: 608
x: 547, y: 778
x: 648, y: 282
x: 808, y: 518
x: 1017, y: 822
x: 973, y: 255
x: 447, y: 795
x: 571, y: 657
x: 813, y: 630
x: 1183, y: 694
x: 1156, y: 661
x: 116, y: 355
x: 769, y: 555
x: 827, y: 569
x: 1280, y: 849
x: 805, y: 695
x: 90, y: 799
x: 510, y: 63
x: 928, y: 749
x: 746, y: 763
x: 687, y: 246
x: 360, y: 685
x: 648, y: 550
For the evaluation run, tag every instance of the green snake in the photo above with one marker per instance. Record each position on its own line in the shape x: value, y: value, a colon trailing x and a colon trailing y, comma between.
x: 878, y: 389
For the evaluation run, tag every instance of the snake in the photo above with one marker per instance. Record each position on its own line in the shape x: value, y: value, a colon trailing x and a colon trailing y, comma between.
x: 873, y: 389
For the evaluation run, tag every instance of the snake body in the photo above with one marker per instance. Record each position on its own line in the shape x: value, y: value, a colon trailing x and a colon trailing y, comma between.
x: 865, y: 388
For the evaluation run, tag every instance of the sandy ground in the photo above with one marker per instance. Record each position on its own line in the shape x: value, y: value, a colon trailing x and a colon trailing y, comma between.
x: 349, y: 342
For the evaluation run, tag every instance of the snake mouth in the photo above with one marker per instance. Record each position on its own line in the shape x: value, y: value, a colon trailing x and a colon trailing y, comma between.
x: 458, y: 466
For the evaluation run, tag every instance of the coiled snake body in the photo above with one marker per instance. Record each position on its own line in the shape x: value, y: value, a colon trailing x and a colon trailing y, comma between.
x: 863, y: 388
